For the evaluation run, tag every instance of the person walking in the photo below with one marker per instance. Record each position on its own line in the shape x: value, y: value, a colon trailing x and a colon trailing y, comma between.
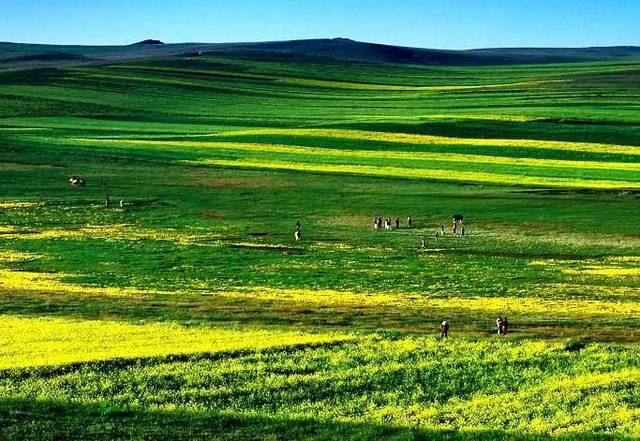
x: 409, y: 222
x: 499, y: 324
x: 397, y: 223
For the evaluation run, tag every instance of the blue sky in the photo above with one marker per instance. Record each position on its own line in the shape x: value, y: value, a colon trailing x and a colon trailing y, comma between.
x: 455, y: 24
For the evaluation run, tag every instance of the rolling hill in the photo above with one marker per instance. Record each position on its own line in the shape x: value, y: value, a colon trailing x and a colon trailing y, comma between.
x: 17, y: 55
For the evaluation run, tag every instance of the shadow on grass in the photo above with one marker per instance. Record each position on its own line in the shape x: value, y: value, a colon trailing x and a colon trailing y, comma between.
x: 51, y: 420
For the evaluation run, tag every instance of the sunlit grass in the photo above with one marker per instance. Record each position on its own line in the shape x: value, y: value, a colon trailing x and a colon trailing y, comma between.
x: 29, y: 342
x: 422, y: 173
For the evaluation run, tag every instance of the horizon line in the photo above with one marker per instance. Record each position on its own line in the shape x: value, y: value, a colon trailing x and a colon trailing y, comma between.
x: 163, y: 43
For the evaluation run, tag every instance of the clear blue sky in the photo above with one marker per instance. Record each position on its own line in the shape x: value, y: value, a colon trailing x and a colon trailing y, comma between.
x: 455, y: 24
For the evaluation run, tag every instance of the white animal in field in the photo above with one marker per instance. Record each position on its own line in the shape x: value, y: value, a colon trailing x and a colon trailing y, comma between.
x: 75, y: 181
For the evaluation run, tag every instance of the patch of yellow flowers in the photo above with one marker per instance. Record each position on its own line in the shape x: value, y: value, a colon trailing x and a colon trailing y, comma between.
x: 28, y: 342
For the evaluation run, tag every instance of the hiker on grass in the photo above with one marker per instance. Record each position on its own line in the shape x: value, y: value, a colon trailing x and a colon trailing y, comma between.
x: 499, y: 325
x: 297, y: 235
x: 423, y: 243
x: 444, y: 329
x: 409, y: 222
x: 462, y: 232
x: 397, y: 223
x: 442, y: 229
x: 505, y: 326
x: 107, y: 200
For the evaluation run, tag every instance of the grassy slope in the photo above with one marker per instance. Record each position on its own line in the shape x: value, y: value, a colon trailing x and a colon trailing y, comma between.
x: 193, y: 311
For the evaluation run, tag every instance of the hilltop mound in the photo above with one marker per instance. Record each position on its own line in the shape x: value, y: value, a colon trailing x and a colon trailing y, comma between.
x: 149, y: 41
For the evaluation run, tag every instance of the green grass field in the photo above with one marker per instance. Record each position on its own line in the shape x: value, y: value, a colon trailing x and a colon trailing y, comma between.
x: 192, y: 312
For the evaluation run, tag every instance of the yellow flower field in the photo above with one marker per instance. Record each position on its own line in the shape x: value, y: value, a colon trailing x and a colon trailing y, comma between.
x: 50, y: 341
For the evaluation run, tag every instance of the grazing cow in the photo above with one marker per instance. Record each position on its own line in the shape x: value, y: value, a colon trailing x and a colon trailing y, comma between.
x: 76, y: 181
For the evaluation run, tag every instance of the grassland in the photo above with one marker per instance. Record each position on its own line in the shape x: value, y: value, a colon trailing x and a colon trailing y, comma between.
x: 192, y: 313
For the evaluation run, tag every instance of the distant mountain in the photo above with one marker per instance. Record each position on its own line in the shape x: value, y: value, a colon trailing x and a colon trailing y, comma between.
x: 16, y: 55
x: 148, y: 41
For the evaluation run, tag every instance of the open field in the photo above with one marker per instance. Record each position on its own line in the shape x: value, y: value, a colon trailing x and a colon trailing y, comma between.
x: 190, y: 312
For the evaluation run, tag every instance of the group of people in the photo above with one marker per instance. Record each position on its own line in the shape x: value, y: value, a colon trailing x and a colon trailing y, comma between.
x: 458, y: 229
x: 501, y: 323
x: 378, y: 223
x: 107, y: 202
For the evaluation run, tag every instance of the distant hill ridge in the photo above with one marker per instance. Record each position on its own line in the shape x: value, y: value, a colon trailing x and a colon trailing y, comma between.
x: 148, y: 41
x: 341, y: 49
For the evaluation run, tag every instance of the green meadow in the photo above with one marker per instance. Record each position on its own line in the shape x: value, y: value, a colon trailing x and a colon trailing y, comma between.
x: 186, y: 308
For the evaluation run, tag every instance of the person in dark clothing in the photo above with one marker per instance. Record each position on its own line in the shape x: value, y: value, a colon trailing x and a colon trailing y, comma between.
x: 409, y: 222
x: 444, y: 329
x: 499, y: 325
x: 505, y: 326
x: 397, y: 223
x: 107, y: 200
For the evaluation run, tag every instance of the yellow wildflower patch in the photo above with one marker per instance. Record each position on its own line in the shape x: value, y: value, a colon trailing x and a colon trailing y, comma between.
x: 484, y: 305
x: 606, y: 271
x: 17, y: 205
x: 16, y: 256
x: 29, y: 342
x: 423, y: 173
x: 377, y: 154
x: 406, y: 138
x: 117, y: 232
x: 49, y: 282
